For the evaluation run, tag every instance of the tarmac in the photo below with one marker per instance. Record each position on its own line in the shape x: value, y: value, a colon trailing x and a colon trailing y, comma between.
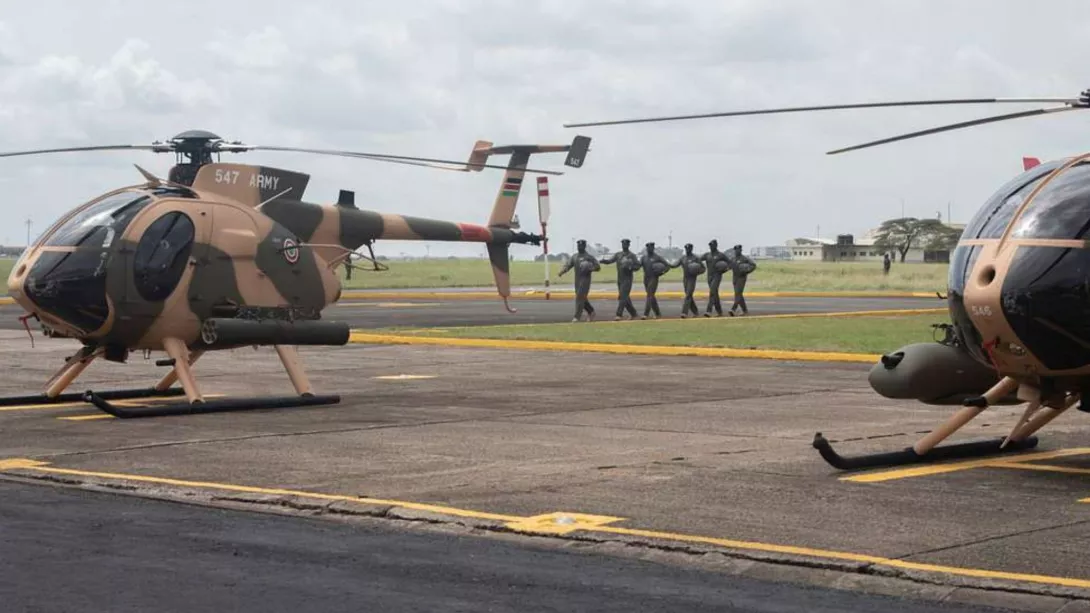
x: 695, y: 459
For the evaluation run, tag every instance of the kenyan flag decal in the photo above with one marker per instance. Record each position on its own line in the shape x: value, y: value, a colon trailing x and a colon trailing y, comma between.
x: 291, y: 251
x: 511, y: 186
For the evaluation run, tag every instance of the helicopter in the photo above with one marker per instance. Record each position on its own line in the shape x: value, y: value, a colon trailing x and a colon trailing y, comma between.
x: 1018, y: 296
x: 225, y: 255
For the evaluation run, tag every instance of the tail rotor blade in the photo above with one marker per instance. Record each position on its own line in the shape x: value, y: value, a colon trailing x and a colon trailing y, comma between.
x: 958, y: 126
x: 830, y: 107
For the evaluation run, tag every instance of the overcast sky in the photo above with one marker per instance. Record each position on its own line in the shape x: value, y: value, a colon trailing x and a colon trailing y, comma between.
x: 429, y: 78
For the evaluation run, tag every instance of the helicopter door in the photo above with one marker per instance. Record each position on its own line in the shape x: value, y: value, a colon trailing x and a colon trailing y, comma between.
x: 159, y: 262
x: 228, y: 275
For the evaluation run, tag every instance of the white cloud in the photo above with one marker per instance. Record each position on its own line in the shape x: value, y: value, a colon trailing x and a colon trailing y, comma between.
x: 430, y: 78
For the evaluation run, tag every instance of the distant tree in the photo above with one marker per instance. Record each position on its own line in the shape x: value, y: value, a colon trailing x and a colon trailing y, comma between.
x: 902, y: 233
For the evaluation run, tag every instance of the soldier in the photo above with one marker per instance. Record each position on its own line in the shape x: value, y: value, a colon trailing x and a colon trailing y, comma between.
x: 716, y: 263
x: 627, y: 264
x: 741, y: 266
x: 691, y: 268
x: 654, y: 266
x: 885, y: 263
x: 584, y: 264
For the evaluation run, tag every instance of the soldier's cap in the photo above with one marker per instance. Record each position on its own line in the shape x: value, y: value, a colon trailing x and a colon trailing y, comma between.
x: 713, y: 242
x: 651, y: 244
x: 737, y: 247
x: 688, y: 245
x: 625, y: 241
x: 580, y: 242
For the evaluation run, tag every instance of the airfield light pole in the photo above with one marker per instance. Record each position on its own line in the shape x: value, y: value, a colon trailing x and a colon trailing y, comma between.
x: 28, y: 223
x: 543, y: 214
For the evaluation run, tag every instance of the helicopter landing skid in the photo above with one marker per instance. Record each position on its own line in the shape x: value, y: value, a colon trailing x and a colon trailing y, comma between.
x: 1021, y: 437
x: 150, y: 392
x: 909, y: 456
x: 208, y: 406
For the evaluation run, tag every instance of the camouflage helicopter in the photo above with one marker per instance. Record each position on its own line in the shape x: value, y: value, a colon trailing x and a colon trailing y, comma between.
x: 224, y: 255
x: 1018, y: 296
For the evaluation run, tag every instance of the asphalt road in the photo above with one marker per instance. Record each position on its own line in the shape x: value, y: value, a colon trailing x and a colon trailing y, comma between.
x: 70, y: 550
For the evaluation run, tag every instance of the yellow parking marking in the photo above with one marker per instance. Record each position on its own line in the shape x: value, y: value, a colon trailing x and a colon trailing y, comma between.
x: 31, y: 407
x: 87, y: 417
x: 562, y: 523
x: 720, y: 352
x: 403, y: 377
x: 938, y: 469
x: 387, y: 305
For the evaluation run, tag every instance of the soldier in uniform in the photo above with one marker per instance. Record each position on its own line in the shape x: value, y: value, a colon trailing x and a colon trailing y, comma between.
x: 691, y: 267
x: 741, y: 266
x: 627, y: 264
x: 654, y: 266
x: 584, y: 264
x: 712, y: 261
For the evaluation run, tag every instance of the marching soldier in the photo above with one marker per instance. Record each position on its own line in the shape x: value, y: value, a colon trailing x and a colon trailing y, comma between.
x: 691, y: 267
x: 716, y: 263
x: 627, y: 264
x: 654, y: 266
x: 741, y: 266
x: 584, y: 264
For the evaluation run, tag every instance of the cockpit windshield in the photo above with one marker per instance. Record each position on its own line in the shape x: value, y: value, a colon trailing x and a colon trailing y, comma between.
x: 96, y: 225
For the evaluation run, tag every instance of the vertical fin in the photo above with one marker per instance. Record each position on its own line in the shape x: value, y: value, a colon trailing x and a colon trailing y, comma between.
x: 501, y: 270
x: 504, y: 208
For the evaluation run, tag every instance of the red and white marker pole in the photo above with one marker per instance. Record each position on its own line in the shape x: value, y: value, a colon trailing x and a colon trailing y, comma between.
x: 543, y: 215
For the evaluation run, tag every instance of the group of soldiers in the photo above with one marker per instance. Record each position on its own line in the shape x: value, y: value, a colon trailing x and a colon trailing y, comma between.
x: 714, y: 262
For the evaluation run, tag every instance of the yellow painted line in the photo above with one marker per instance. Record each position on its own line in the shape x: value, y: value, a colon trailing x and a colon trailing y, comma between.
x: 403, y: 377
x: 850, y: 557
x: 938, y: 469
x: 387, y: 305
x: 563, y: 294
x: 87, y: 417
x: 7, y: 300
x: 31, y: 407
x: 717, y: 352
x: 1044, y: 467
x: 22, y: 463
x: 559, y: 523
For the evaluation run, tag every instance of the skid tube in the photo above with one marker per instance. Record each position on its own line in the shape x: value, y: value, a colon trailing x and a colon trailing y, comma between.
x: 968, y: 449
x: 208, y: 406
x: 149, y: 392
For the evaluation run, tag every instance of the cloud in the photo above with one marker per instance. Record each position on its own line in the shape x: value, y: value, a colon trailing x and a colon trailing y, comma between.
x: 430, y: 78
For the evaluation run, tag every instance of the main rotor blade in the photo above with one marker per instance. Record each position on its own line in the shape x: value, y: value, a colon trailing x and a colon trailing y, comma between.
x: 91, y: 148
x: 830, y: 107
x: 957, y: 126
x: 381, y: 157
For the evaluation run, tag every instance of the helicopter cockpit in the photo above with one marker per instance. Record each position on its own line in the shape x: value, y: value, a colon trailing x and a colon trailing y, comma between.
x: 67, y: 279
x: 1045, y: 291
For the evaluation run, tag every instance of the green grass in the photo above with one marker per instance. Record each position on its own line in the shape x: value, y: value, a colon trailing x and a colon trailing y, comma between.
x: 770, y: 276
x: 855, y: 334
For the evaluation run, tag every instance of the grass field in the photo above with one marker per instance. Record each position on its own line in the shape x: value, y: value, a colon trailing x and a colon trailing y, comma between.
x: 854, y: 334
x: 771, y: 275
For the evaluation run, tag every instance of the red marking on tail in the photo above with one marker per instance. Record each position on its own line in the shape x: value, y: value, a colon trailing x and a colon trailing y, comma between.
x: 1028, y: 163
x: 473, y: 232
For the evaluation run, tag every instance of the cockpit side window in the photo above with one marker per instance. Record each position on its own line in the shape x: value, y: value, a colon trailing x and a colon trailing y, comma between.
x: 161, y: 256
x: 1061, y: 210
